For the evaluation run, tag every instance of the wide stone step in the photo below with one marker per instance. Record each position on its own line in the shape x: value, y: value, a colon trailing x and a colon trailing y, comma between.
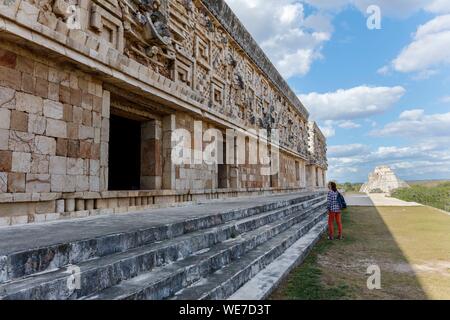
x: 226, y: 281
x: 261, y: 286
x: 24, y: 262
x: 164, y: 282
x: 107, y: 271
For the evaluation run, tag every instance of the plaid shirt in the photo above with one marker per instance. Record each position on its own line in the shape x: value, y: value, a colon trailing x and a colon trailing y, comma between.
x: 333, y: 203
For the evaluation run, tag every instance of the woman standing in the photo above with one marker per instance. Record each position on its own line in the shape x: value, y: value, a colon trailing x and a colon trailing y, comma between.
x: 334, y: 211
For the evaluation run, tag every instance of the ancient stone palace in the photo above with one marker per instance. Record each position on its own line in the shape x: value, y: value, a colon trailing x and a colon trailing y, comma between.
x: 94, y: 93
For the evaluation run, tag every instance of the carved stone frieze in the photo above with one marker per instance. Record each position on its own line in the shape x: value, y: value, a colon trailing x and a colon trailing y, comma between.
x: 52, y: 12
x: 185, y: 41
x: 147, y: 36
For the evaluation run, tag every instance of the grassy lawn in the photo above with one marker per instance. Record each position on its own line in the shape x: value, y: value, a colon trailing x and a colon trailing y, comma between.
x: 411, y: 245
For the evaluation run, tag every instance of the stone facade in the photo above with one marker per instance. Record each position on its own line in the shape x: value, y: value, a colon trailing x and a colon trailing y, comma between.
x: 68, y: 66
x: 317, y: 165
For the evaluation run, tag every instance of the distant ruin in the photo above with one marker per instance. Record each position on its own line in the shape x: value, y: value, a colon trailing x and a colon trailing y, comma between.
x: 383, y: 180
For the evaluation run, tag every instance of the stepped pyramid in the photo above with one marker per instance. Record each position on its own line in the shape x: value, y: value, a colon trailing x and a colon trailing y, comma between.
x: 384, y: 179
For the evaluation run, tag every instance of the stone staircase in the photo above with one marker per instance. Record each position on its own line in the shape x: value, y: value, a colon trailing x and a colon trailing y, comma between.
x: 203, y: 256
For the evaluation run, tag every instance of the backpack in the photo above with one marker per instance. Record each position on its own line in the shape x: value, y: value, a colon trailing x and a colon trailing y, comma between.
x: 341, y: 201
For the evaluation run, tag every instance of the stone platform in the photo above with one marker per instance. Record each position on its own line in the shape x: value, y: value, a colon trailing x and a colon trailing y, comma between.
x: 377, y: 200
x: 204, y: 251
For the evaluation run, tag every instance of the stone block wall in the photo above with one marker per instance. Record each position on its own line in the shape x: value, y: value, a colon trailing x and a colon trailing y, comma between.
x: 53, y: 126
x: 316, y: 176
x: 292, y: 172
x: 203, y: 176
x: 194, y: 176
x: 320, y: 178
x: 250, y: 177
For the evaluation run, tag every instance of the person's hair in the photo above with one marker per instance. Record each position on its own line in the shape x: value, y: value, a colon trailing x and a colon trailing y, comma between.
x: 333, y: 186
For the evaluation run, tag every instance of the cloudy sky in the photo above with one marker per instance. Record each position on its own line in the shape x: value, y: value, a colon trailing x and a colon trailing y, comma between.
x: 382, y: 96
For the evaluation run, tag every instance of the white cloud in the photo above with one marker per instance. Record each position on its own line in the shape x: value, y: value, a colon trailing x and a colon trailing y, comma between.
x: 291, y: 39
x: 412, y: 115
x: 394, y: 152
x: 290, y: 12
x: 348, y: 150
x: 349, y: 125
x: 416, y: 124
x: 384, y: 71
x: 439, y: 6
x: 319, y: 21
x: 294, y: 50
x: 297, y: 63
x: 425, y: 74
x: 428, y: 50
x: 328, y: 130
x: 446, y: 99
x: 354, y: 103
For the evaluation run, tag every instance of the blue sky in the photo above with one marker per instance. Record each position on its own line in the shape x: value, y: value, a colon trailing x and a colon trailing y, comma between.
x: 381, y: 96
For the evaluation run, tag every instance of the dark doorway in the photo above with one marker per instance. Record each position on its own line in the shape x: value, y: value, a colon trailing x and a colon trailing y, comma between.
x: 124, y: 154
x: 223, y: 168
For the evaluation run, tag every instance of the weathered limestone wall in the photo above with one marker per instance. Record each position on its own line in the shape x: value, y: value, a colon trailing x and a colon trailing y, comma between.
x: 317, y: 166
x: 292, y: 172
x: 166, y: 66
x: 311, y: 175
x: 54, y: 122
x: 194, y: 176
x: 320, y: 178
x: 317, y: 146
x: 223, y: 13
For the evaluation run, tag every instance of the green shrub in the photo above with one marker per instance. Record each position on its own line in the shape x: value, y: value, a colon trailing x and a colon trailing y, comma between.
x: 438, y: 197
x: 350, y: 187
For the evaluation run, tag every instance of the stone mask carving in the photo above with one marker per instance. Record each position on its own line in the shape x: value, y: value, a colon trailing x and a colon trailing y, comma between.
x: 61, y: 9
x: 160, y: 23
x: 156, y: 28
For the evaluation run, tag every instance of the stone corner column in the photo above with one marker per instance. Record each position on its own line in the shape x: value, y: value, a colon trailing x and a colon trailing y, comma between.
x: 151, y: 155
x: 104, y: 141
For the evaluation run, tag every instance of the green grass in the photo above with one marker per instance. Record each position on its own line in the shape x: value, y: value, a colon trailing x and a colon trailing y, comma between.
x: 427, y: 183
x: 306, y: 284
x: 437, y: 196
x: 410, y: 244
